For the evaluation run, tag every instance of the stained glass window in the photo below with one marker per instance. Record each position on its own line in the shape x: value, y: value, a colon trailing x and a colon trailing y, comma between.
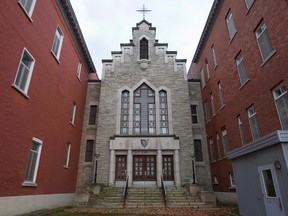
x: 164, y: 126
x: 124, y: 127
x: 144, y: 49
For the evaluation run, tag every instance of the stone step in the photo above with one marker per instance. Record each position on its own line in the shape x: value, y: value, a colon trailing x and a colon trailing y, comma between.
x: 108, y: 206
x: 143, y: 205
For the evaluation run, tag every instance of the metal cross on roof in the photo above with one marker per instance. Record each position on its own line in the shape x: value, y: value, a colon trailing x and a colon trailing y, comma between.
x: 143, y: 10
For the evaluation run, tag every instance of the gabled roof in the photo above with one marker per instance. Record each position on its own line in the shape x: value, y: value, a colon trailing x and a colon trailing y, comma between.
x: 72, y: 22
x: 144, y: 21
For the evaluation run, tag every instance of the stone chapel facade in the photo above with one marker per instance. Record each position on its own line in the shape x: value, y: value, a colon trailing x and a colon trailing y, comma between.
x: 144, y: 128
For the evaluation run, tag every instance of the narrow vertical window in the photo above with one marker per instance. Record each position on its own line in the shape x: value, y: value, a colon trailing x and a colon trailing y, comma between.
x: 249, y: 3
x: 214, y: 56
x: 253, y: 123
x: 144, y: 121
x: 241, y: 130
x: 79, y: 70
x: 212, y: 151
x: 92, y: 115
x: 28, y: 6
x: 198, y: 150
x: 241, y: 68
x: 221, y: 94
x: 203, y: 82
x: 144, y: 49
x: 281, y: 100
x: 89, y: 150
x: 232, y: 179
x: 24, y: 73
x: 230, y: 25
x: 263, y: 40
x: 67, y: 155
x: 57, y: 43
x: 207, y: 112
x: 218, y: 146
x: 194, y: 114
x: 212, y: 105
x: 124, y: 124
x: 33, y: 161
x: 72, y: 119
x: 163, y: 106
x: 207, y: 69
x: 225, y: 141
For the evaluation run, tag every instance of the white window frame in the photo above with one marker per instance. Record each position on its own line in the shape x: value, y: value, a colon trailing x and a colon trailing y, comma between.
x: 252, y: 115
x: 241, y: 69
x: 225, y: 141
x: 249, y: 3
x: 207, y: 69
x: 203, y: 81
x: 241, y: 130
x: 230, y: 25
x: 212, y: 105
x: 79, y: 68
x: 214, y: 56
x: 195, y: 114
x: 57, y: 52
x: 263, y: 33
x: 67, y: 155
x: 232, y: 180
x: 207, y: 112
x: 20, y: 73
x: 35, y: 164
x: 74, y: 107
x: 280, y: 93
x: 212, y: 149
x: 28, y: 11
x: 221, y: 94
x: 218, y: 146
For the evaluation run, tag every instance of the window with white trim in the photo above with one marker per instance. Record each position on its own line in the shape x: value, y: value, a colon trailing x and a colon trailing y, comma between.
x: 33, y: 161
x: 194, y: 114
x: 218, y: 146
x: 57, y: 43
x: 28, y: 6
x: 241, y: 68
x: 203, y: 81
x: 214, y: 56
x: 79, y: 70
x: 67, y: 155
x: 281, y: 100
x: 212, y: 151
x: 264, y: 42
x: 24, y: 73
x: 253, y: 123
x: 212, y: 105
x: 232, y: 179
x: 221, y: 94
x: 249, y: 3
x: 72, y: 119
x: 207, y: 112
x: 241, y: 130
x: 225, y: 141
x: 230, y: 25
x: 207, y: 69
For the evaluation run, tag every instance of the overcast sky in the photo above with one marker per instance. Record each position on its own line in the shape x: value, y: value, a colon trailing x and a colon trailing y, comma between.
x: 106, y: 24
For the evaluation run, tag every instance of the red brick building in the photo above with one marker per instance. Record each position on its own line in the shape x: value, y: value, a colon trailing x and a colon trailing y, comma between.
x: 44, y: 69
x: 241, y: 60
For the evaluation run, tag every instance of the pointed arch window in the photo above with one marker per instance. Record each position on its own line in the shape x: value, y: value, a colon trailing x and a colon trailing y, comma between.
x: 124, y: 127
x: 164, y: 126
x: 144, y: 119
x: 144, y: 49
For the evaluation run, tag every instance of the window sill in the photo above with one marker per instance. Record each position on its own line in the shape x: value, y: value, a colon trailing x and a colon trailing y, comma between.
x: 57, y: 59
x: 72, y: 124
x: 78, y: 78
x: 20, y: 90
x: 215, y: 67
x: 244, y: 84
x: 222, y: 107
x: 66, y: 167
x: 248, y: 9
x: 233, y: 37
x: 268, y: 58
x: 232, y: 188
x: 212, y: 162
x: 29, y: 184
x: 28, y: 16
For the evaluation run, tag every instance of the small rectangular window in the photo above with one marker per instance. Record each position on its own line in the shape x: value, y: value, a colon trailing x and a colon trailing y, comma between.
x: 264, y: 41
x: 24, y: 73
x: 57, y: 43
x: 225, y: 141
x: 89, y: 150
x: 232, y: 179
x: 241, y: 130
x: 72, y: 119
x: 230, y: 25
x: 212, y: 151
x: 79, y: 70
x: 253, y: 123
x: 269, y: 184
x: 212, y: 105
x: 203, y: 81
x: 214, y: 56
x: 92, y: 115
x: 241, y: 68
x: 198, y: 150
x: 207, y: 69
x: 67, y: 155
x: 221, y: 94
x: 194, y: 114
x: 249, y: 3
x: 33, y: 161
x: 281, y: 100
x: 28, y: 6
x: 207, y: 112
x: 218, y: 146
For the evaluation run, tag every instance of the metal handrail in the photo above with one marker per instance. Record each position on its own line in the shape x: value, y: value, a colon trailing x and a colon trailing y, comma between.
x: 164, y: 192
x: 125, y: 191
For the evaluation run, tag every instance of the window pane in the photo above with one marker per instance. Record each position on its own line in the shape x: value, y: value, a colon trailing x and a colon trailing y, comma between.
x: 164, y: 125
x: 198, y: 150
x: 269, y: 184
x: 264, y: 41
x: 144, y: 49
x: 92, y: 115
x: 89, y: 150
x: 30, y: 174
x: 230, y: 25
